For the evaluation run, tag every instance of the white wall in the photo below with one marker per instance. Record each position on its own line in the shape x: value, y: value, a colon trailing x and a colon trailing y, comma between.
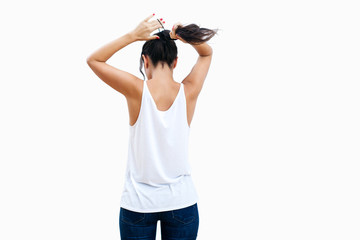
x: 275, y: 135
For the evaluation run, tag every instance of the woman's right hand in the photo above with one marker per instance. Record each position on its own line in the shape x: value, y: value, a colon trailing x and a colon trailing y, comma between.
x: 145, y: 27
x: 173, y: 35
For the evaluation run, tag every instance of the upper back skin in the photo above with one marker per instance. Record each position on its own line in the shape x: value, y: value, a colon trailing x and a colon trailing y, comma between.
x: 162, y: 101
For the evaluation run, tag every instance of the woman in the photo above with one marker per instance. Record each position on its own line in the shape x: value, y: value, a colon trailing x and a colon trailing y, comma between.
x: 158, y: 184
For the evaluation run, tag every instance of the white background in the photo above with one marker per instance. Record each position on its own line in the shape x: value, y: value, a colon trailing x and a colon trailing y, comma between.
x: 274, y: 142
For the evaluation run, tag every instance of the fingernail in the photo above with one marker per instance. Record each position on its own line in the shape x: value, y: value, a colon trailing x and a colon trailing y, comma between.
x: 158, y: 37
x: 153, y: 14
x: 163, y: 21
x: 160, y: 19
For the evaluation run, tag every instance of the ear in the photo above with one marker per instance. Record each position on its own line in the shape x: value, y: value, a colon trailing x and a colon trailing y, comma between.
x: 146, y: 60
x: 175, y: 62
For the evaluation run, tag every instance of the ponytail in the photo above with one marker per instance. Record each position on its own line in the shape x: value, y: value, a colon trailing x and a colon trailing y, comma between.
x: 193, y: 34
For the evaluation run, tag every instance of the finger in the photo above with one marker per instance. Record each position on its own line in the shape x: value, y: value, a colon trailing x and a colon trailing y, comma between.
x: 176, y: 25
x: 156, y: 24
x: 172, y: 35
x: 148, y: 18
x: 173, y: 30
x: 153, y: 37
x: 161, y: 20
x: 154, y: 27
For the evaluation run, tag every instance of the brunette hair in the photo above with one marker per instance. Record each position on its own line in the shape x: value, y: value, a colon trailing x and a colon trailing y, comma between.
x: 164, y: 49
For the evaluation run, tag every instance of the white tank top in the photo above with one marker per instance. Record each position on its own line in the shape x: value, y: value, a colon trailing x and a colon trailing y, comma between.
x: 158, y: 173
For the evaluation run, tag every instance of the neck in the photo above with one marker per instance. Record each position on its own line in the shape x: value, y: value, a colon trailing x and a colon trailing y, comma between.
x: 162, y: 74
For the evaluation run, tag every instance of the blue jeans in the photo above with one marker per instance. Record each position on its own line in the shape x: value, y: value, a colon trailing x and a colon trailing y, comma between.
x: 179, y: 224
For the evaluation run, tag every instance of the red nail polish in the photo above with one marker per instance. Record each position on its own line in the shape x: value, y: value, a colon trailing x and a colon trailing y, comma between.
x: 163, y: 21
x: 160, y: 19
x: 153, y: 14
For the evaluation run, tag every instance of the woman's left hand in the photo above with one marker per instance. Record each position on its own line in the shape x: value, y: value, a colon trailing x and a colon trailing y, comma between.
x: 143, y: 30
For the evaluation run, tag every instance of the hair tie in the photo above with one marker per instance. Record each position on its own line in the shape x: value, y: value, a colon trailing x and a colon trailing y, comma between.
x: 164, y: 36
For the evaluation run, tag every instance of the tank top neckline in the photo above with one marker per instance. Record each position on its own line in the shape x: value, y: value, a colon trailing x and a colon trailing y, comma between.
x: 153, y: 101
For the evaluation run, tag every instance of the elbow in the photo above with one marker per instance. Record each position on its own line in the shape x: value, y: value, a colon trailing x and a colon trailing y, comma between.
x: 208, y: 53
x: 210, y: 50
x: 89, y: 60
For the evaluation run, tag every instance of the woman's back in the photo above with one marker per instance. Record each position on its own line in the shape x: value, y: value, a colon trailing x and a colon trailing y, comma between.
x: 158, y: 174
x: 163, y: 96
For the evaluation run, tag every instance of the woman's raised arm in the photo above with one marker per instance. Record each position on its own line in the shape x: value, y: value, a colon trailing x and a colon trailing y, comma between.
x: 121, y: 81
x: 196, y: 77
x: 197, y: 38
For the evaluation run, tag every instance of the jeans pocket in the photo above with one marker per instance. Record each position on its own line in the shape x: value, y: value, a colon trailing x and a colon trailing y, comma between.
x: 186, y: 215
x: 131, y: 217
